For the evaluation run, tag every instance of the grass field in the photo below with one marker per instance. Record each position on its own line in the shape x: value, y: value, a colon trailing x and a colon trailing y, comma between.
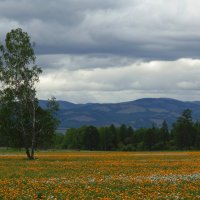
x: 101, y: 175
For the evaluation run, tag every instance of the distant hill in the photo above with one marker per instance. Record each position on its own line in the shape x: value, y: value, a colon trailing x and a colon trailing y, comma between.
x: 138, y: 113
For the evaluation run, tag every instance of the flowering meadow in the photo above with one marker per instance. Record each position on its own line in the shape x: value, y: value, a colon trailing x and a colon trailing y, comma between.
x: 101, y: 175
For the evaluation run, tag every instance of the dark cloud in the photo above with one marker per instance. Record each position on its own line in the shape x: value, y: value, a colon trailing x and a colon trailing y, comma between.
x: 102, y: 47
x: 140, y: 29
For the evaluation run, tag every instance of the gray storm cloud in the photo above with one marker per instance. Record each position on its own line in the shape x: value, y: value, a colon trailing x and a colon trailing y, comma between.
x: 111, y: 50
x: 141, y: 29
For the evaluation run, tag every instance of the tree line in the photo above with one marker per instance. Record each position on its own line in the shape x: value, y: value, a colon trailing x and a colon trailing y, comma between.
x: 184, y: 135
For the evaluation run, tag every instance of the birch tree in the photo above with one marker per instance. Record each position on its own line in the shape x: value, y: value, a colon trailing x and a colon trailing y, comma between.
x: 18, y: 76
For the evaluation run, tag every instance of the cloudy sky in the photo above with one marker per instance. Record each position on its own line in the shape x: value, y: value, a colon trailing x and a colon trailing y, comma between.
x: 111, y: 50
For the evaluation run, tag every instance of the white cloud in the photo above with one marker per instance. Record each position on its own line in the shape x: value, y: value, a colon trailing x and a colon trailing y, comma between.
x: 178, y: 79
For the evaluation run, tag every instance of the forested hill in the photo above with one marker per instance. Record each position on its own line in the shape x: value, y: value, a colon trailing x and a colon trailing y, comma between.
x: 138, y: 113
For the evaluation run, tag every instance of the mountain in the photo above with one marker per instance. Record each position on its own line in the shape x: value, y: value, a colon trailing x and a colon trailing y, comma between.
x: 138, y: 113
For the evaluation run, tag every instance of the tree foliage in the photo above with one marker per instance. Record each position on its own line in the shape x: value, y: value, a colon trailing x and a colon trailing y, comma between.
x: 20, y: 113
x: 184, y: 130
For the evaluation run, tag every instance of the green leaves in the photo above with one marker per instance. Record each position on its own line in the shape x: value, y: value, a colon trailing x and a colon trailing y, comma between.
x: 24, y: 121
x: 17, y: 55
x: 18, y: 44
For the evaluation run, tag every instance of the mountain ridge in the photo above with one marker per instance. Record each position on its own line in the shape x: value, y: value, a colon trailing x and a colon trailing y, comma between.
x: 137, y: 113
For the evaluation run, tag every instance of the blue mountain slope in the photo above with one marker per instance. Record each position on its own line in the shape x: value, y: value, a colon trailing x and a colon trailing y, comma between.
x: 62, y: 104
x: 139, y: 113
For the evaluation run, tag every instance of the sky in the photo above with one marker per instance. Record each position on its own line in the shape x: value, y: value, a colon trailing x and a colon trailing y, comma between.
x: 110, y: 51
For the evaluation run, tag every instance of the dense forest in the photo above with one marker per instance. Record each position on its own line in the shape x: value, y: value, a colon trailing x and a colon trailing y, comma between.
x: 184, y: 135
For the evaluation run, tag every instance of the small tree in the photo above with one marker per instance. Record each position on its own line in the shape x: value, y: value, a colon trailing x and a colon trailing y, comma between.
x: 18, y: 76
x: 184, y: 131
x: 46, y: 124
x: 91, y: 138
x: 164, y: 134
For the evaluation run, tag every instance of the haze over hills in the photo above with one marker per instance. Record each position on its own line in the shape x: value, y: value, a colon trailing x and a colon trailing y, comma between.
x: 138, y: 113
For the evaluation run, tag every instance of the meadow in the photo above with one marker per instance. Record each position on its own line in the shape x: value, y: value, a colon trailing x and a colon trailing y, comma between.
x: 100, y: 175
